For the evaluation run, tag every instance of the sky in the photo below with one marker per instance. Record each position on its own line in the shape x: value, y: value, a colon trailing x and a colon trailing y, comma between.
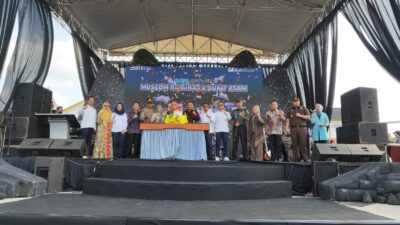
x: 356, y: 67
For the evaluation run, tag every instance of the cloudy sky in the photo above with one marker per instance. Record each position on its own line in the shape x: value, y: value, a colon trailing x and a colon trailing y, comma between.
x: 356, y: 67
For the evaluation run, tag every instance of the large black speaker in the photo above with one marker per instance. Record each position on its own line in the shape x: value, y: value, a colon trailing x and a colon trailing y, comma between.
x: 26, y: 127
x: 347, y: 152
x: 338, y: 152
x: 52, y: 147
x: 323, y: 171
x: 35, y: 147
x: 363, y: 133
x: 30, y: 99
x: 365, y: 153
x: 68, y: 147
x: 360, y: 105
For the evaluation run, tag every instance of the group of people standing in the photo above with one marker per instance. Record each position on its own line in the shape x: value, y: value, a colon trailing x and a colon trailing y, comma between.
x: 118, y: 133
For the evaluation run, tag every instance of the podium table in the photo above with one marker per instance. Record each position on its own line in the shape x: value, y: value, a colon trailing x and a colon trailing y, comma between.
x: 173, y: 141
x: 59, y: 124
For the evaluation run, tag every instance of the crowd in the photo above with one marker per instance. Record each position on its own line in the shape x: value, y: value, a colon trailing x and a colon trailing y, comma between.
x: 118, y: 134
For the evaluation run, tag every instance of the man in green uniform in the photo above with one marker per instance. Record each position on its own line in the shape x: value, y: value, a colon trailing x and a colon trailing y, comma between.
x: 239, y: 117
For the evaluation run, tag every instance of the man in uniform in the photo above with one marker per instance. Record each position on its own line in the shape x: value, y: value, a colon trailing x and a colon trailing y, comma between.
x: 296, y: 126
x: 239, y: 117
x: 146, y: 113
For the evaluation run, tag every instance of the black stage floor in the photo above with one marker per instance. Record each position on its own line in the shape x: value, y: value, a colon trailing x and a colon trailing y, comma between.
x: 77, y: 209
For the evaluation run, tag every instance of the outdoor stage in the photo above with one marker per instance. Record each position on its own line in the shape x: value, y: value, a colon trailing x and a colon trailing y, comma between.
x: 185, y: 192
x: 70, y: 208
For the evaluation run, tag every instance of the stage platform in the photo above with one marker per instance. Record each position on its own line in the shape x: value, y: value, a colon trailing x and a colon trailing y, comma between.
x: 76, y: 209
x: 188, y: 181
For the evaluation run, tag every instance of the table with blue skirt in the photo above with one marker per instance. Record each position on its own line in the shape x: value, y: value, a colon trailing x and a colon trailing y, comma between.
x: 173, y: 141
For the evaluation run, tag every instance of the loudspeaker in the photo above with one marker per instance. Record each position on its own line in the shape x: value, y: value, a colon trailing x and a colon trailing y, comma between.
x: 360, y: 105
x: 26, y: 127
x: 52, y: 169
x: 30, y: 99
x: 323, y: 171
x: 35, y: 147
x: 52, y: 147
x: 338, y: 152
x: 363, y: 133
x: 365, y: 153
x: 68, y: 148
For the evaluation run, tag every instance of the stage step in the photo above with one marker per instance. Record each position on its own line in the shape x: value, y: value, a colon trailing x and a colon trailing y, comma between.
x: 194, y: 171
x: 186, y: 190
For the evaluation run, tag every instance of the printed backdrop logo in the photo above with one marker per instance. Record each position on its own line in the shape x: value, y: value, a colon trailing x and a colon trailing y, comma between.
x: 200, y: 85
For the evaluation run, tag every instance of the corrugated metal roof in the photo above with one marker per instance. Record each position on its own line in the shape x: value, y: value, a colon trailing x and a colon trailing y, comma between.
x: 267, y: 25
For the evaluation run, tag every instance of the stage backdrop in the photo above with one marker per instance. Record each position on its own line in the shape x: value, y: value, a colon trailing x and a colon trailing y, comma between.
x: 197, y: 84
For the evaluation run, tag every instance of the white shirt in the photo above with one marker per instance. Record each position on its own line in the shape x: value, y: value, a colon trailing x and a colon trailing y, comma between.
x: 222, y: 121
x: 211, y: 121
x: 119, y: 122
x: 88, y: 117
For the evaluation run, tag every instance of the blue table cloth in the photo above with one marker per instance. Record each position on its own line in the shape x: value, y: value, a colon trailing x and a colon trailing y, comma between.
x: 173, y: 143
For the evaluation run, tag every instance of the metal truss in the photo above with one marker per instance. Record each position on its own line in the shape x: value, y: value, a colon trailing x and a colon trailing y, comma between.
x: 309, y: 28
x: 189, y: 58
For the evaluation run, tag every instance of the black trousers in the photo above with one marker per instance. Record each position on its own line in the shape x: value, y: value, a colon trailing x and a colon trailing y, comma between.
x: 132, y: 140
x: 239, y: 133
x: 275, y: 141
x: 87, y: 135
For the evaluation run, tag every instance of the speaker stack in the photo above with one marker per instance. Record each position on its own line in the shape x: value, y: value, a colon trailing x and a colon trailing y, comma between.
x: 360, y: 118
x: 28, y: 100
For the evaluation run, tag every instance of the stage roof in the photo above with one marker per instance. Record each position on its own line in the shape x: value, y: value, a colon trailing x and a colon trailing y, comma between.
x: 270, y: 26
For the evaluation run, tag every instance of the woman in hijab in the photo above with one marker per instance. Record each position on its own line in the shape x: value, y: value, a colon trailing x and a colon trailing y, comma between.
x: 256, y: 127
x: 119, y: 122
x: 103, y: 145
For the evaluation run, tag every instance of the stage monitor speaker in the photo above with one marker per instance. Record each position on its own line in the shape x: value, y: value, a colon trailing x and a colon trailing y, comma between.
x: 324, y: 152
x: 30, y: 99
x: 365, y: 153
x: 323, y: 171
x: 68, y: 148
x: 360, y: 105
x: 363, y: 133
x: 35, y: 147
x: 26, y: 127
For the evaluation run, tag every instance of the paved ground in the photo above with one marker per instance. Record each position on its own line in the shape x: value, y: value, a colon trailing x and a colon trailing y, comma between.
x: 385, y: 210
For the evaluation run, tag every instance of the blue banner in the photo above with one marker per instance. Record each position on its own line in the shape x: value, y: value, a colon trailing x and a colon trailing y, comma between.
x: 197, y: 84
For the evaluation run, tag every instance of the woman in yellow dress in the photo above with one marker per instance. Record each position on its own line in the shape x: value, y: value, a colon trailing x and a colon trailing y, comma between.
x: 103, y: 145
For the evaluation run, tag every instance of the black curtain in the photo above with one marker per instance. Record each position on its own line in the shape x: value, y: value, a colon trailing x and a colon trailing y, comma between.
x: 88, y: 64
x: 377, y: 23
x: 32, y: 54
x: 310, y: 69
x: 8, y: 11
